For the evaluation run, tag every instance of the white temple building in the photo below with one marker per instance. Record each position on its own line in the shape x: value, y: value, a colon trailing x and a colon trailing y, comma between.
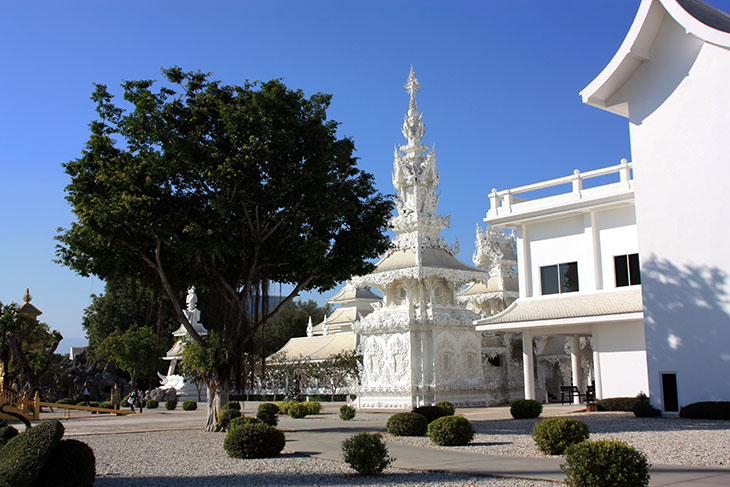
x: 660, y: 323
x: 334, y: 334
x: 419, y: 346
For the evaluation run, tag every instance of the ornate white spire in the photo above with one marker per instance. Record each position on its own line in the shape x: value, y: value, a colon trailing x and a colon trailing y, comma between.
x: 416, y: 180
x: 310, y: 328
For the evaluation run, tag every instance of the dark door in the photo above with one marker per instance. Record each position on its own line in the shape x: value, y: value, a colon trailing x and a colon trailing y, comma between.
x: 669, y: 392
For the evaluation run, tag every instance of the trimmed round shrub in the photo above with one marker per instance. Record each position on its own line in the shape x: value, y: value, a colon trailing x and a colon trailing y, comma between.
x: 22, y: 458
x: 268, y: 417
x: 190, y: 406
x: 171, y: 405
x: 234, y: 405
x: 605, y: 463
x: 313, y: 407
x: 447, y: 407
x: 451, y: 431
x: 72, y: 464
x: 366, y: 453
x: 235, y: 413
x: 269, y: 406
x: 430, y: 412
x: 616, y: 404
x: 553, y: 435
x: 706, y: 410
x: 152, y: 404
x: 298, y: 410
x: 66, y: 400
x: 284, y: 406
x: 644, y: 409
x: 109, y: 405
x: 347, y: 412
x: 6, y: 432
x: 254, y: 440
x: 525, y: 409
x: 241, y: 420
x: 407, y: 424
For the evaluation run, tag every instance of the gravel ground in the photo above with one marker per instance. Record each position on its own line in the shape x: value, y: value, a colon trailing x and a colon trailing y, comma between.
x: 665, y: 440
x: 195, y: 458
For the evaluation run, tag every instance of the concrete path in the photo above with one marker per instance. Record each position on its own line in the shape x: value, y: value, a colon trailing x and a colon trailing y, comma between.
x: 321, y: 436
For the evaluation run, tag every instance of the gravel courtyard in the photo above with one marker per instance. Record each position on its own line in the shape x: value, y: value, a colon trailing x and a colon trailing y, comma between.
x: 195, y: 458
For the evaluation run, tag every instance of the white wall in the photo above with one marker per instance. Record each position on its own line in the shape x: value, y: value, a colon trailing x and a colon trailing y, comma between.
x: 622, y: 358
x: 617, y: 236
x: 679, y: 105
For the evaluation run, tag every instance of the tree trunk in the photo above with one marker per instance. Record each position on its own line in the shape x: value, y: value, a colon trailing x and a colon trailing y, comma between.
x: 218, y: 394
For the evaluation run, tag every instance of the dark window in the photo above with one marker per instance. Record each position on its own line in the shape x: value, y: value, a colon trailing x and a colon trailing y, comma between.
x: 669, y: 392
x: 561, y: 278
x: 549, y: 279
x: 627, y: 270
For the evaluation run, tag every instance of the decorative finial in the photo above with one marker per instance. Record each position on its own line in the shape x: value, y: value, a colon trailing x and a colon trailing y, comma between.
x: 27, y: 297
x: 310, y: 328
x: 412, y: 86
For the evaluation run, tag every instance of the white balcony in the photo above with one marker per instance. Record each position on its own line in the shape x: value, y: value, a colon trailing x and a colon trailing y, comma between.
x: 506, y: 207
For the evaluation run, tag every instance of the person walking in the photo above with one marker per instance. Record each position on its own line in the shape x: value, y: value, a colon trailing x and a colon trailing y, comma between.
x: 86, y: 393
x: 140, y: 400
x: 132, y: 399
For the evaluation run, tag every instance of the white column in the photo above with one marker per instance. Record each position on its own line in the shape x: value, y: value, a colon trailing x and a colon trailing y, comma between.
x: 524, y: 277
x: 596, y: 253
x: 575, y: 366
x: 528, y: 366
x: 597, y: 370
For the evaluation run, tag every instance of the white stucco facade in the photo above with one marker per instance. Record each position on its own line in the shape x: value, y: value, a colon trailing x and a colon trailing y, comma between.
x: 586, y: 228
x: 670, y: 79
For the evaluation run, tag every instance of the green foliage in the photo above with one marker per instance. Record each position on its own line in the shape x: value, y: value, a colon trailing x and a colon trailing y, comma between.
x: 337, y: 370
x: 170, y: 405
x: 66, y: 400
x: 525, y: 409
x: 241, y: 420
x: 220, y: 185
x: 430, y: 412
x: 268, y: 417
x: 284, y: 406
x: 22, y: 458
x: 189, y: 406
x: 234, y: 405
x: 269, y: 406
x: 6, y: 432
x: 553, y: 435
x: 616, y: 404
x: 407, y: 424
x: 313, y: 407
x: 27, y: 348
x: 152, y: 404
x: 366, y: 453
x: 347, y: 412
x: 72, y: 464
x: 706, y: 410
x: 234, y: 413
x: 644, y: 409
x: 447, y: 407
x: 298, y: 410
x: 136, y: 351
x: 451, y: 431
x: 268, y: 413
x: 605, y: 463
x: 225, y: 416
x: 254, y: 440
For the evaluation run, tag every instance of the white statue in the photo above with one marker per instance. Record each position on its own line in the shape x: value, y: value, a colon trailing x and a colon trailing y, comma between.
x: 192, y: 312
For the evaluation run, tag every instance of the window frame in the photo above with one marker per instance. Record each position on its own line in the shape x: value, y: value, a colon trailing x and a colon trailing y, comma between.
x: 560, y: 274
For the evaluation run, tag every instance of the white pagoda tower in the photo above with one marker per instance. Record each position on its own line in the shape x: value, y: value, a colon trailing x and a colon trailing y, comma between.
x: 419, y: 346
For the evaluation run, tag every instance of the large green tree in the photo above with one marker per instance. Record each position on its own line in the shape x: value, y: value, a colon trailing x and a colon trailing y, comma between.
x: 225, y: 187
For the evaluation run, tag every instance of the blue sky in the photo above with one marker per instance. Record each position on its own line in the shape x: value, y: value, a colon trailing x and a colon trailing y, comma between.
x: 500, y: 83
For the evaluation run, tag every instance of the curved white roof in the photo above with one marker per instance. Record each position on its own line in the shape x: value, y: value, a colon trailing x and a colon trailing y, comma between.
x: 696, y: 17
x: 318, y: 348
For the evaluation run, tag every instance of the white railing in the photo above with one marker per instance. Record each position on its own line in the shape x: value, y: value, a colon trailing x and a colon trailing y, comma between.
x: 503, y: 200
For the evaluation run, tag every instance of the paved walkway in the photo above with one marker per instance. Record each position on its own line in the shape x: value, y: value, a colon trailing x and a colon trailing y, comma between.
x: 321, y: 437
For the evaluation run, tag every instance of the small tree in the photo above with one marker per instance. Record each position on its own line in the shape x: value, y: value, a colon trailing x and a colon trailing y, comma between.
x: 339, y: 369
x: 27, y: 347
x: 135, y: 351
